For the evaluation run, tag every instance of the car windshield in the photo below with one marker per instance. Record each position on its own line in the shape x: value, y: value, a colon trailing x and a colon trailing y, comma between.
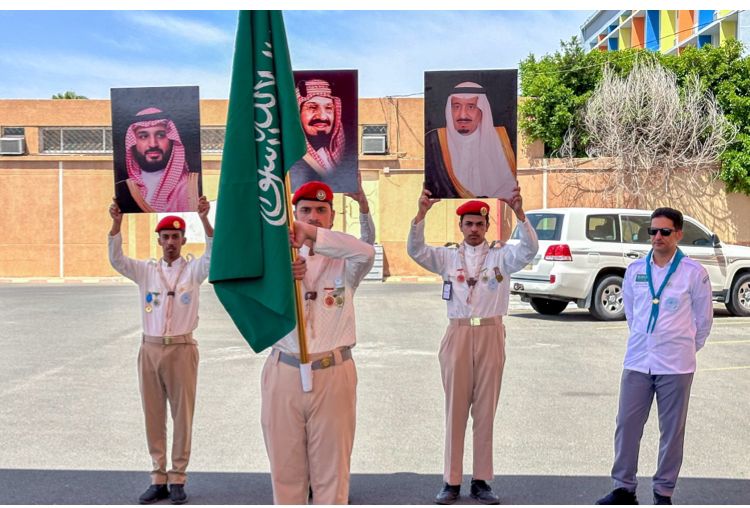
x: 548, y: 226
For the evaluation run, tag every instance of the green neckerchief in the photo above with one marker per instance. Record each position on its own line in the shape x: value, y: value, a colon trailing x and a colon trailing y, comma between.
x: 656, y: 296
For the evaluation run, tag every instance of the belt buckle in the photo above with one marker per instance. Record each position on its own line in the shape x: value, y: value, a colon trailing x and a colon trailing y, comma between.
x: 475, y: 321
x: 326, y: 362
x: 167, y: 340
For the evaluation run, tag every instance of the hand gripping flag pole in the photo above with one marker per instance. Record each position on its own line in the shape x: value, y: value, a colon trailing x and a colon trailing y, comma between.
x: 305, y: 367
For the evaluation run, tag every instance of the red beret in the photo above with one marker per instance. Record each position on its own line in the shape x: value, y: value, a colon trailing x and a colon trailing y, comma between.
x: 473, y: 208
x: 316, y: 191
x: 171, y: 222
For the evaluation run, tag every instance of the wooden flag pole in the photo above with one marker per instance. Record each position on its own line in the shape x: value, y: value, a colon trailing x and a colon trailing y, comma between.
x: 301, y: 330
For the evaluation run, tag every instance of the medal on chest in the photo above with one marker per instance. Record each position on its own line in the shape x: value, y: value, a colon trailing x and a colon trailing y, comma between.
x: 460, y: 277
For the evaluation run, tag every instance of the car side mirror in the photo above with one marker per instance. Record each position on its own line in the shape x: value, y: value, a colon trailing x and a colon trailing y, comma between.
x: 715, y: 238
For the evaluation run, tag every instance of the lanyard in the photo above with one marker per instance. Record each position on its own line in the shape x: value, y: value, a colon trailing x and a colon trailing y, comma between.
x: 656, y: 296
x: 472, y: 281
x: 312, y: 293
x: 170, y: 295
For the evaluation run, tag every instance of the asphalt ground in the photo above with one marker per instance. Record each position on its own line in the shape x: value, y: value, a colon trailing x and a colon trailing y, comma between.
x: 71, y: 425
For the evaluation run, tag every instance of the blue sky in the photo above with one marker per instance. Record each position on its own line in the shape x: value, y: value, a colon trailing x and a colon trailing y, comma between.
x: 45, y: 52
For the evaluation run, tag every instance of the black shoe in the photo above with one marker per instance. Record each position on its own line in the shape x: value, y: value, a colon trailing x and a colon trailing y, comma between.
x: 483, y: 492
x: 154, y: 493
x: 177, y: 493
x: 619, y: 496
x: 449, y: 494
x: 659, y: 499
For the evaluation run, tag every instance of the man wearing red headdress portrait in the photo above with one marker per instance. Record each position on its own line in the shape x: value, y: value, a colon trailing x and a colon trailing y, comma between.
x: 159, y: 179
x: 320, y: 114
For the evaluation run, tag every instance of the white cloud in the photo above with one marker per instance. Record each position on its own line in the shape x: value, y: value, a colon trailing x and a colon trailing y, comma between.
x: 181, y: 28
x: 94, y: 76
x: 393, y: 49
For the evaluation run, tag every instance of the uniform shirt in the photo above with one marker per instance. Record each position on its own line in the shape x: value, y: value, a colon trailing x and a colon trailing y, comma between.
x: 146, y: 275
x: 685, y: 317
x: 488, y: 298
x: 334, y: 272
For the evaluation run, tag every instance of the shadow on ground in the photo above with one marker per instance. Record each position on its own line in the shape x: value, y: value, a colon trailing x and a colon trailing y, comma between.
x: 29, y: 486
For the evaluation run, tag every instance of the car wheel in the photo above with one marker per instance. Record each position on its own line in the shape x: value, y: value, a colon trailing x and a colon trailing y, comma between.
x: 739, y: 297
x: 547, y: 307
x: 606, y: 304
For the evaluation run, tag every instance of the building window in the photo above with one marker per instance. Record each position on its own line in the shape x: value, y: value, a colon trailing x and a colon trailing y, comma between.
x: 76, y: 140
x: 13, y: 132
x: 374, y: 139
x: 212, y: 139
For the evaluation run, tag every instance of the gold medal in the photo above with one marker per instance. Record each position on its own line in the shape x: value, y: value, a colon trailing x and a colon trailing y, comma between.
x: 148, y: 308
x: 655, y: 301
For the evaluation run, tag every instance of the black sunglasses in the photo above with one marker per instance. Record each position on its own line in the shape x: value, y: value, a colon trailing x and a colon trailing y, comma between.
x: 663, y: 231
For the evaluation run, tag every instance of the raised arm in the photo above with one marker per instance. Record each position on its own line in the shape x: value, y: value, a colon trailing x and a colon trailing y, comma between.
x: 429, y: 258
x: 366, y: 226
x: 519, y: 255
x: 127, y: 267
x: 204, y: 262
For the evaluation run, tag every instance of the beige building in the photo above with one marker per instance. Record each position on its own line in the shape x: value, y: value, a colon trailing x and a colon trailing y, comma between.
x: 54, y: 196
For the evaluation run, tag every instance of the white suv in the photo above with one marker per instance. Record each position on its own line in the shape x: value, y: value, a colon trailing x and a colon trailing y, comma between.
x: 583, y: 253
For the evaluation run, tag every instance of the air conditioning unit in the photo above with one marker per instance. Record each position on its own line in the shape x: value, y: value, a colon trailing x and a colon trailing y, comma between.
x: 374, y: 144
x: 12, y: 146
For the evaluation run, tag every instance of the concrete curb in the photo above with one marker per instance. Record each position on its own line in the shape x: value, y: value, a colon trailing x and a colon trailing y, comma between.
x: 64, y: 280
x: 122, y: 280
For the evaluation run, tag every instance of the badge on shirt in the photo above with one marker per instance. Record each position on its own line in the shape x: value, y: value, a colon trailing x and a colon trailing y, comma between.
x: 641, y: 279
x: 672, y: 303
x: 498, y: 275
x: 447, y: 289
x: 492, y: 284
x: 334, y: 296
x: 185, y: 298
x: 460, y: 277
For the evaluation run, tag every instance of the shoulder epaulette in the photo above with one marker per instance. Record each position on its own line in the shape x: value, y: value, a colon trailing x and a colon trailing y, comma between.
x: 451, y: 244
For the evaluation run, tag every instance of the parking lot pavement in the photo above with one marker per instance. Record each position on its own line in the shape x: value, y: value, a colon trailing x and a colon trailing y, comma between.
x: 71, y: 426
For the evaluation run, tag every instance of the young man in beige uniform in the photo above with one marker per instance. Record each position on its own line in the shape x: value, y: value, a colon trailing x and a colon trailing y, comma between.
x: 476, y: 285
x: 309, y: 435
x: 168, y: 358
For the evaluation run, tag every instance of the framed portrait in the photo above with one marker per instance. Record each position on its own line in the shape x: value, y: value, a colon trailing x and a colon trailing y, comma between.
x: 328, y: 104
x: 470, y: 133
x: 156, y: 148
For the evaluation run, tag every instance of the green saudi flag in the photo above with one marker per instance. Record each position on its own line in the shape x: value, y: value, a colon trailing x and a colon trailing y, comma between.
x: 251, y: 263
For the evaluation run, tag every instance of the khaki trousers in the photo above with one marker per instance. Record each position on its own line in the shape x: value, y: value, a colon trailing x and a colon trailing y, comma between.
x: 168, y: 373
x: 309, y: 436
x: 471, y: 364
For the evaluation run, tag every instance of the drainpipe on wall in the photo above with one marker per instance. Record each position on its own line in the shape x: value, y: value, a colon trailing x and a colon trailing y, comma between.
x: 545, y: 168
x: 60, y: 217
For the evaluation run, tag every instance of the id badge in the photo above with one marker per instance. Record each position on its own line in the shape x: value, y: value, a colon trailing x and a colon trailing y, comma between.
x: 447, y: 290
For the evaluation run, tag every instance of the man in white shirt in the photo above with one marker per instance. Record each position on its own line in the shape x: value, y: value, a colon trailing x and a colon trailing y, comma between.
x: 476, y: 285
x: 668, y: 305
x: 309, y: 435
x: 168, y: 358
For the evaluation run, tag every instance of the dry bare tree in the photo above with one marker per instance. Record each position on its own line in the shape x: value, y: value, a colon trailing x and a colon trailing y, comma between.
x: 645, y: 128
